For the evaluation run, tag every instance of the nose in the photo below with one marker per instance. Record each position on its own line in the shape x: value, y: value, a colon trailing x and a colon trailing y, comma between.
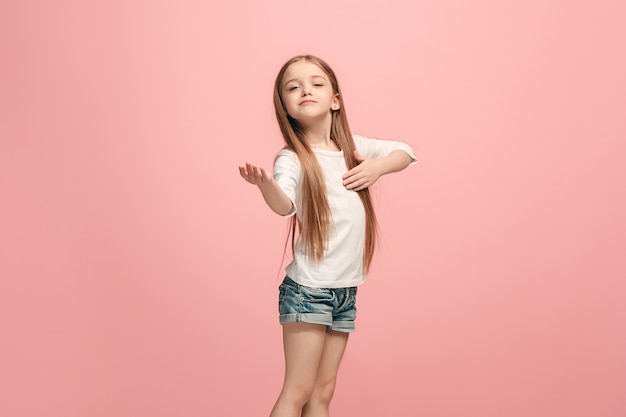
x: 306, y: 90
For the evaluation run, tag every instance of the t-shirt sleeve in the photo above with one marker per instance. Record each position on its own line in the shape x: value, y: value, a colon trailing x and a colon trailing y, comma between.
x: 378, y: 148
x: 287, y: 175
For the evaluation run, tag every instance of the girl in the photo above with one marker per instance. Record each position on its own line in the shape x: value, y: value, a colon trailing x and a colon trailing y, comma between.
x: 322, y: 176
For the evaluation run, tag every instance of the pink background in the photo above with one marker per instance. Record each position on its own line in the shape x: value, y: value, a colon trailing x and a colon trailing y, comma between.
x: 139, y: 272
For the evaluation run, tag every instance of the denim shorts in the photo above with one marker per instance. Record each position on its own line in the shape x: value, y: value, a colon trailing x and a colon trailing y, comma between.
x: 333, y: 307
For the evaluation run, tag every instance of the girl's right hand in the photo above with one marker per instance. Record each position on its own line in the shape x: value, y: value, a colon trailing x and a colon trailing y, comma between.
x: 254, y: 175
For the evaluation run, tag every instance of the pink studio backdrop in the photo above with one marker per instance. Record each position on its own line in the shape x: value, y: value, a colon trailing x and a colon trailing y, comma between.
x: 138, y: 272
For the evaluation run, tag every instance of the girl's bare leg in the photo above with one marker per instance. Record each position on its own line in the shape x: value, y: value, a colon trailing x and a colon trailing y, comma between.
x: 319, y: 402
x: 303, y: 344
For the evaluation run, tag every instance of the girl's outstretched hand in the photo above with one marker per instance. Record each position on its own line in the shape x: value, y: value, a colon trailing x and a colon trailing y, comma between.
x: 254, y: 175
x: 363, y: 175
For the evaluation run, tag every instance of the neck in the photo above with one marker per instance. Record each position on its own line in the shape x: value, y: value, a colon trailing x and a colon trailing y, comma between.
x: 318, y: 134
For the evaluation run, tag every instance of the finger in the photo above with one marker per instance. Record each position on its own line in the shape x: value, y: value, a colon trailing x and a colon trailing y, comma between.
x: 351, y: 172
x: 361, y: 185
x: 357, y: 169
x: 246, y: 176
x: 353, y: 178
x: 251, y: 171
x: 350, y: 185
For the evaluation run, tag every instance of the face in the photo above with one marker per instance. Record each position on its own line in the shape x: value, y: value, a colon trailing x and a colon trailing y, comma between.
x: 307, y: 92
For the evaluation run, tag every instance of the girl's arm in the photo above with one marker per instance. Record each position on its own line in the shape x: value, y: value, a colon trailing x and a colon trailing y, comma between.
x: 370, y: 169
x: 273, y: 195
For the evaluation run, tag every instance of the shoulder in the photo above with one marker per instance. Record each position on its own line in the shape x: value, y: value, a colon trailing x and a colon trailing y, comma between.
x: 286, y: 152
x: 286, y: 161
x: 286, y: 156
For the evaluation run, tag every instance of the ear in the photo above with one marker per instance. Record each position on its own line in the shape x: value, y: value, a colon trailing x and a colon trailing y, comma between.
x: 334, y: 105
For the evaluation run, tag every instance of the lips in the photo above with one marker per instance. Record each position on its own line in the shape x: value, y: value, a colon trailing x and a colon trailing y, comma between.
x: 307, y: 102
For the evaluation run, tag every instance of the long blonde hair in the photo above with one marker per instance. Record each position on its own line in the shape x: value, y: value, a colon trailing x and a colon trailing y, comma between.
x: 316, y: 217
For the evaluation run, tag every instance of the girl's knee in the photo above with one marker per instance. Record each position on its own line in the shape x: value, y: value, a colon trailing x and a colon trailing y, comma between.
x: 323, y: 392
x: 298, y: 394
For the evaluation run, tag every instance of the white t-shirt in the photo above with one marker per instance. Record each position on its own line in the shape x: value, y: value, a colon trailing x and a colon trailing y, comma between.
x: 342, y: 265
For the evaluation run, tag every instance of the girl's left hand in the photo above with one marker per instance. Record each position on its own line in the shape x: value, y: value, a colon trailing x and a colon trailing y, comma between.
x: 363, y: 175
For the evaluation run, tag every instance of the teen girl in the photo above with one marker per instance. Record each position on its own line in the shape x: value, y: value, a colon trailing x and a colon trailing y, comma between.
x: 322, y: 176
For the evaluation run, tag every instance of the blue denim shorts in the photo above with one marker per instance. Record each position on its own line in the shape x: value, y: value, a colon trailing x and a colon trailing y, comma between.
x: 333, y: 307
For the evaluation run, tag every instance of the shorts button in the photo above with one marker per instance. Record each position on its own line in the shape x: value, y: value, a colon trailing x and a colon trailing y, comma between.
x: 301, y: 298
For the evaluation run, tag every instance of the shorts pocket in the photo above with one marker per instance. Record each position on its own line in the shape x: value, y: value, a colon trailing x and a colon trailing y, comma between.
x: 282, y: 293
x: 352, y: 296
